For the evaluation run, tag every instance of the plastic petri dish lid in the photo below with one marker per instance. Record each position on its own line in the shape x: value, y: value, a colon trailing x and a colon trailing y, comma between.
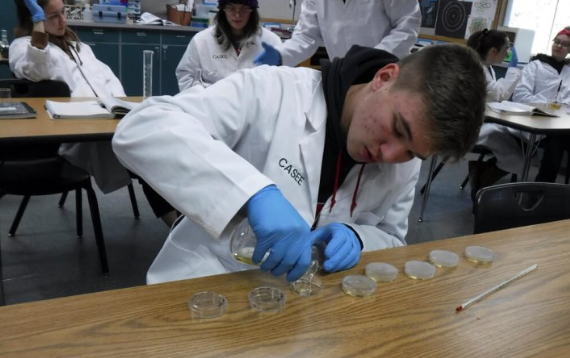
x: 419, y: 270
x: 478, y: 254
x: 358, y: 285
x: 381, y: 272
x: 266, y: 299
x: 207, y: 305
x: 442, y: 258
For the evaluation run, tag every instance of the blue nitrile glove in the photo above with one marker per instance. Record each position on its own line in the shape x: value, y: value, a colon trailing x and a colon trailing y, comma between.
x: 279, y: 228
x: 514, y: 58
x: 343, y: 246
x: 269, y: 56
x: 36, y: 10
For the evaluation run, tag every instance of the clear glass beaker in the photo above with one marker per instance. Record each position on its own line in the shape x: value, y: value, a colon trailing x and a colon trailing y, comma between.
x: 147, y: 73
x: 242, y: 245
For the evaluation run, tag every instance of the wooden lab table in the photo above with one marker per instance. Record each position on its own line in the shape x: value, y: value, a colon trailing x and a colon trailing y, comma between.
x: 42, y: 129
x: 534, y: 125
x: 405, y: 318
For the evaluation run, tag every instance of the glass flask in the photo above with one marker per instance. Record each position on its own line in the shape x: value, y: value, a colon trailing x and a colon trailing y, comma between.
x: 4, y: 45
x: 242, y: 245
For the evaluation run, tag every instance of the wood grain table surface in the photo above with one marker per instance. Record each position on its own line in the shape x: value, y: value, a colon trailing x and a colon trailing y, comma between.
x: 405, y: 318
x: 43, y: 129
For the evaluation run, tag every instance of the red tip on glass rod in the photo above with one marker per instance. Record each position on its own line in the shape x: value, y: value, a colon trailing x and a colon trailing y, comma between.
x: 459, y: 308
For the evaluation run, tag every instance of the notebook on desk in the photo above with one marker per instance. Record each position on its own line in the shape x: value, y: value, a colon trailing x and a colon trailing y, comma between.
x: 509, y: 107
x: 16, y: 110
x: 102, y: 107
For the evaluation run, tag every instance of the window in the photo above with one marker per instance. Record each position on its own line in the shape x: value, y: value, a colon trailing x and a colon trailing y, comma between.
x: 545, y: 17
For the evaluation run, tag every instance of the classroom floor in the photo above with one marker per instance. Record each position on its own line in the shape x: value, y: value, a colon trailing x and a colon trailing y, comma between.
x: 46, y: 260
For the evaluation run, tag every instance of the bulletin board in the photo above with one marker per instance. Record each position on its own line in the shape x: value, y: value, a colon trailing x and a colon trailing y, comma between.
x: 456, y: 20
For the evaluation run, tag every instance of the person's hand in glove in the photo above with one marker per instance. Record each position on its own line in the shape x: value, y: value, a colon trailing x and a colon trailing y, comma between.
x: 343, y: 246
x: 279, y: 229
x: 36, y: 10
x: 514, y: 58
x: 269, y: 56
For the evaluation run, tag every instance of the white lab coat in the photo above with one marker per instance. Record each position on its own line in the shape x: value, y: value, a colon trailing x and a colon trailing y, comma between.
x: 391, y: 25
x: 539, y: 84
x: 52, y: 63
x: 205, y: 62
x: 501, y: 140
x: 214, y: 148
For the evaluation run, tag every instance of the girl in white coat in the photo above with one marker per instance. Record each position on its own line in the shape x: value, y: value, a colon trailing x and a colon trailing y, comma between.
x: 230, y: 45
x: 46, y: 49
x: 492, y: 47
x: 545, y: 79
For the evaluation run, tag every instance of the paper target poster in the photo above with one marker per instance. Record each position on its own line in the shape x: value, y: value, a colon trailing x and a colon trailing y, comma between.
x: 452, y: 18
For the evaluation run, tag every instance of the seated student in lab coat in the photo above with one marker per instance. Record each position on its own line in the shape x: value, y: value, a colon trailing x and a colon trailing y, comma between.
x: 274, y: 144
x: 391, y: 25
x: 545, y: 79
x: 46, y: 49
x: 492, y: 47
x: 231, y: 44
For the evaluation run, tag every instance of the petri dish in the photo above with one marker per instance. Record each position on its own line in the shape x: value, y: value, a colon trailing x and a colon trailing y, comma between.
x: 308, y: 284
x: 359, y: 285
x: 266, y: 299
x: 419, y: 270
x: 478, y: 254
x: 207, y: 305
x: 443, y: 258
x: 381, y: 272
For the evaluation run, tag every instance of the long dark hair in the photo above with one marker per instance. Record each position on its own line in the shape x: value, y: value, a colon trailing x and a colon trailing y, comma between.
x: 485, y: 40
x: 25, y: 27
x: 223, y: 29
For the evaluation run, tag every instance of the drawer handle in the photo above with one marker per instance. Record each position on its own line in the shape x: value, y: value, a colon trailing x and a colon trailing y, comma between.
x: 101, y: 32
x: 141, y: 34
x: 181, y: 36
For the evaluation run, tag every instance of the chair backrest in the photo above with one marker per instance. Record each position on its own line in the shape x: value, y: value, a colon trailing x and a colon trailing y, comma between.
x: 511, y: 205
x: 25, y: 88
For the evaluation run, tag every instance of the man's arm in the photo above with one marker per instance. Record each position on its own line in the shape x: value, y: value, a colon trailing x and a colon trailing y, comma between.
x: 182, y: 147
x: 306, y: 38
x: 405, y: 17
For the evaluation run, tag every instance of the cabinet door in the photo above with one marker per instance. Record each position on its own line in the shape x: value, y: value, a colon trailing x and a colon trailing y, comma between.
x: 132, y: 69
x: 108, y: 54
x: 171, y: 56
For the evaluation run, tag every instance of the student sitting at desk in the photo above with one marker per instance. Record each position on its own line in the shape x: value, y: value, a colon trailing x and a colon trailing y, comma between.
x: 231, y: 44
x: 547, y: 79
x: 492, y: 46
x: 46, y: 49
x: 292, y: 148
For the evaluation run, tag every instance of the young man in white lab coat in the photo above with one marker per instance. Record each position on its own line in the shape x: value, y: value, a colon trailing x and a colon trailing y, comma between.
x: 390, y: 25
x: 271, y: 143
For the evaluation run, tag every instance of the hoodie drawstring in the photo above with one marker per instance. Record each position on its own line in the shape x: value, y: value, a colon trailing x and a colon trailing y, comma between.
x: 354, y: 195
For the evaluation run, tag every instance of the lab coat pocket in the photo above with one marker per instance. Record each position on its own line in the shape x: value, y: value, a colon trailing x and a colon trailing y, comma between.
x: 368, y: 218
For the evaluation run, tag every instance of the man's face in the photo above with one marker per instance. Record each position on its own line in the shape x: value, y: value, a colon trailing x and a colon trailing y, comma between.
x: 387, y: 125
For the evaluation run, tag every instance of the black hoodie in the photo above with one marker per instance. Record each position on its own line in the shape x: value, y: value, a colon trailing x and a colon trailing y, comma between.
x: 358, y: 66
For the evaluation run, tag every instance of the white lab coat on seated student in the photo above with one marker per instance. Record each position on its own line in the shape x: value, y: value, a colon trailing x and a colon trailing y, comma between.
x: 539, y: 84
x: 214, y: 148
x: 205, y: 62
x: 52, y: 63
x: 391, y: 25
x: 499, y: 139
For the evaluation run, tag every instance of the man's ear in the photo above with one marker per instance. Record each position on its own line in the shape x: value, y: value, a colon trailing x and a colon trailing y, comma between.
x: 386, y: 74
